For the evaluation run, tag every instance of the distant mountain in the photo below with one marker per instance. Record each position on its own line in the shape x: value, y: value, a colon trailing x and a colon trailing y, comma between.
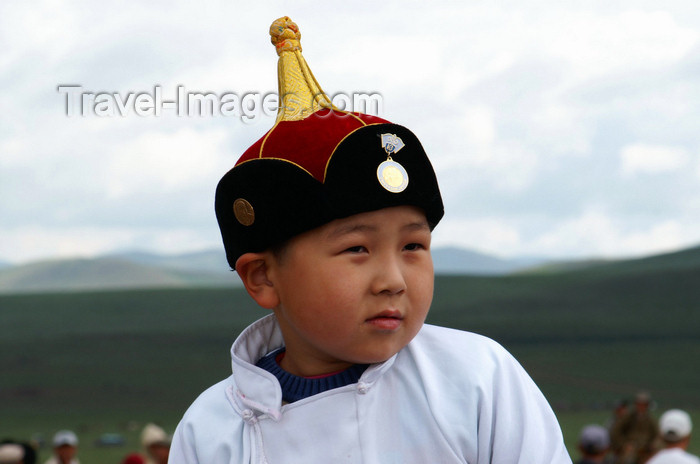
x: 453, y: 260
x: 213, y: 260
x: 555, y: 267
x: 140, y: 269
x: 209, y: 268
x: 449, y: 260
x: 102, y: 273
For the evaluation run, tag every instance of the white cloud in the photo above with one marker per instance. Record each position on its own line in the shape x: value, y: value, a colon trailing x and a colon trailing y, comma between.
x: 508, y: 99
x: 492, y: 235
x: 471, y: 141
x: 165, y: 161
x: 29, y: 243
x: 594, y: 233
x: 666, y: 236
x: 32, y: 242
x: 595, y: 43
x: 651, y: 159
x: 478, y: 126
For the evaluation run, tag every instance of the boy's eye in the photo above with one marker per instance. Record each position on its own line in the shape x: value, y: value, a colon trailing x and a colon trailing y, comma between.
x: 356, y: 249
x: 413, y: 247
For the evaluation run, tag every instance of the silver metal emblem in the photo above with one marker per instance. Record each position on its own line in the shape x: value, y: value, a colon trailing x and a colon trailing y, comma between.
x: 391, y: 143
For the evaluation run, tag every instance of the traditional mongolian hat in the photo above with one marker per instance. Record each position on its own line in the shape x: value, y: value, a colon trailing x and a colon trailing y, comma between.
x: 317, y: 164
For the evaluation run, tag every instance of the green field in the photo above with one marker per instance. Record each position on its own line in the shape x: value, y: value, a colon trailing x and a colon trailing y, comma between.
x: 111, y: 361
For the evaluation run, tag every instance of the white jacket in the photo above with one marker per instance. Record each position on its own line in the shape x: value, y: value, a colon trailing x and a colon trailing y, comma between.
x: 447, y: 397
x: 55, y: 460
x: 673, y: 456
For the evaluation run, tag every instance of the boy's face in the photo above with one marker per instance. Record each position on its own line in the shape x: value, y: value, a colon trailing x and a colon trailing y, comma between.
x: 355, y: 290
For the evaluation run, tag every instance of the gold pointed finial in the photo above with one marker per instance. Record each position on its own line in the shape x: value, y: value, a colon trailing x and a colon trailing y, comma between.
x: 299, y: 92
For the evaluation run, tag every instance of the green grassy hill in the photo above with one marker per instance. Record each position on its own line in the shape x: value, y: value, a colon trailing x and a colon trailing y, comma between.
x: 684, y: 259
x: 588, y: 337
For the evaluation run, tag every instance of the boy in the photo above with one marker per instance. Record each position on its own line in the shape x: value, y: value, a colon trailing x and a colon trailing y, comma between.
x: 327, y: 220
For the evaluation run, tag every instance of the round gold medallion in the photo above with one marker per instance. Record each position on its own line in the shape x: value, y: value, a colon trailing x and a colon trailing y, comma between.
x: 392, y: 176
x: 244, y: 212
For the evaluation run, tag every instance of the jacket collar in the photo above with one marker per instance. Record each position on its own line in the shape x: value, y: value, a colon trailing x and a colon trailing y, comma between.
x: 258, y: 390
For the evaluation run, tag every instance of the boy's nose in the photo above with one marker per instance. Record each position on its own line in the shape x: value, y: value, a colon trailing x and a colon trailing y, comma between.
x: 389, y: 278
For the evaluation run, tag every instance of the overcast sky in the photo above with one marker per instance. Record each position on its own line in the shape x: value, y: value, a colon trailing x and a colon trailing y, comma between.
x: 557, y: 129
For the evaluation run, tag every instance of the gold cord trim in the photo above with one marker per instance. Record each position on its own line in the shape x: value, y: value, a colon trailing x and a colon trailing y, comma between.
x: 278, y: 159
x: 262, y: 145
x: 325, y: 171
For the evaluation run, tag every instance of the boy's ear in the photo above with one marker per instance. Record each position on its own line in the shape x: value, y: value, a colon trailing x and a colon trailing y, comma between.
x: 252, y: 268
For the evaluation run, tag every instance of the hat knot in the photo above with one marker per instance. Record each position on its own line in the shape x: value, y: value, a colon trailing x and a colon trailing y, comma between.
x: 285, y: 35
x: 299, y: 93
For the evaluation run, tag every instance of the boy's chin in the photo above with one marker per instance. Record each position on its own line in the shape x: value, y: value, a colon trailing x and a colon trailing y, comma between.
x: 377, y: 356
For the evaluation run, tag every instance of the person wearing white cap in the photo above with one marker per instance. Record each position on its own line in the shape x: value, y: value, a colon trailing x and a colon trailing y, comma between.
x: 593, y: 443
x: 675, y: 427
x: 156, y: 443
x: 65, y: 448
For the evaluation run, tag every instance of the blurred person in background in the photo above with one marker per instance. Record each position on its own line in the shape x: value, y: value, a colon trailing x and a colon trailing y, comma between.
x: 635, y: 435
x: 622, y: 408
x: 675, y: 427
x: 156, y: 443
x: 11, y: 453
x: 9, y: 450
x: 593, y: 444
x: 65, y: 448
x: 619, y: 413
x: 133, y: 458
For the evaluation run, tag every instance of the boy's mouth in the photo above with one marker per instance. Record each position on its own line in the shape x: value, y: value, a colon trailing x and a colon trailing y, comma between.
x: 386, y: 320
